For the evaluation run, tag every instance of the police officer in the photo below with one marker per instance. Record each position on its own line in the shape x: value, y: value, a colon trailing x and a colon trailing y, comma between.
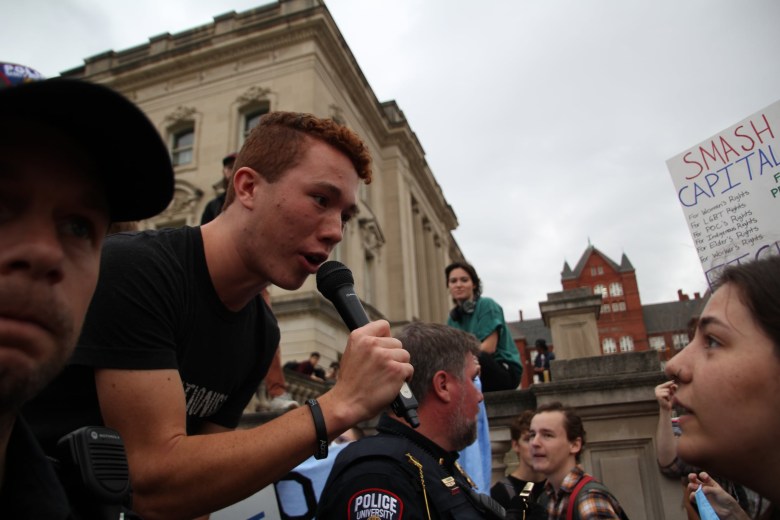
x: 414, y: 474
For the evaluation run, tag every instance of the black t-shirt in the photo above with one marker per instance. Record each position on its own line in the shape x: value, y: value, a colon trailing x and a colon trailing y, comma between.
x: 500, y: 493
x: 155, y: 307
x: 212, y: 209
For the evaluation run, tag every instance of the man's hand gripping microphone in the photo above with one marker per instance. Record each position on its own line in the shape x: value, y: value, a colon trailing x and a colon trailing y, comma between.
x: 335, y: 282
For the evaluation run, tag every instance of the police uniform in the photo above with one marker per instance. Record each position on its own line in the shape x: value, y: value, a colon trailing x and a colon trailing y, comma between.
x: 31, y: 488
x: 399, y: 474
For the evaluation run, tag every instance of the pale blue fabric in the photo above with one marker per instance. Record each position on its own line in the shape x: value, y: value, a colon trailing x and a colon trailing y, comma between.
x: 290, y: 493
x: 476, y: 458
x: 705, y: 509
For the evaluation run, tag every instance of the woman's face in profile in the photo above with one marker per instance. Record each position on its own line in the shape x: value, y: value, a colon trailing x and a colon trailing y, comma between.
x: 460, y: 285
x: 728, y: 380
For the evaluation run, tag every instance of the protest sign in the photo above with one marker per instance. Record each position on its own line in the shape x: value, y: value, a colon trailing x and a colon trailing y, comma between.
x: 729, y: 189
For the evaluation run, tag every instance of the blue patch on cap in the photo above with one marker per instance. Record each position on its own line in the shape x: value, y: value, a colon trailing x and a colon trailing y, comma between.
x: 12, y: 74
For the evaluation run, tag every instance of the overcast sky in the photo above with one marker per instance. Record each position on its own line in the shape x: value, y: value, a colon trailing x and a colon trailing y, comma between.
x: 547, y: 123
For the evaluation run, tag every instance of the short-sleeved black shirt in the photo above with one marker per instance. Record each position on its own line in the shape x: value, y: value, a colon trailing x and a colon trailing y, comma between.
x: 155, y: 307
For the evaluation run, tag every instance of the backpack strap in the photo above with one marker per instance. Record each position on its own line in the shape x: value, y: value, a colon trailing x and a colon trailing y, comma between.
x: 510, y: 489
x: 573, y: 498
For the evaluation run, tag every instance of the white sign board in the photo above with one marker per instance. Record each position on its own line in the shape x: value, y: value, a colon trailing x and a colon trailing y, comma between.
x: 729, y: 189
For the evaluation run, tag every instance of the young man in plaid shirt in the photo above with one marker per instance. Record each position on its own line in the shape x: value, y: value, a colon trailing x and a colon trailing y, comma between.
x: 557, y: 440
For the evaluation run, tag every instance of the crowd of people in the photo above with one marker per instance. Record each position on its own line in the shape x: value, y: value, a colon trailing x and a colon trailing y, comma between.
x: 162, y: 337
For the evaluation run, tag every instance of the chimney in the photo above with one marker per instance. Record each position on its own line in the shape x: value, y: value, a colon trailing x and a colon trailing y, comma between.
x: 521, y: 314
x: 681, y: 296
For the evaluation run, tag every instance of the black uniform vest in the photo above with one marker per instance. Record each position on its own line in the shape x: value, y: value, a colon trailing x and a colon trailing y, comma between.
x: 448, y: 496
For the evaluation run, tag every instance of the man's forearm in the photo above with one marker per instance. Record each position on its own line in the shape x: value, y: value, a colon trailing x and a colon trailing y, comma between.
x: 200, y: 474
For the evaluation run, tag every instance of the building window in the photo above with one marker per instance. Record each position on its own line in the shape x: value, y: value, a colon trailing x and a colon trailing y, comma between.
x: 626, y: 344
x: 616, y: 289
x: 605, y: 308
x: 250, y: 120
x: 249, y: 117
x: 596, y: 270
x: 679, y: 341
x: 600, y: 289
x: 619, y: 307
x: 657, y: 343
x: 182, y: 145
x: 608, y: 346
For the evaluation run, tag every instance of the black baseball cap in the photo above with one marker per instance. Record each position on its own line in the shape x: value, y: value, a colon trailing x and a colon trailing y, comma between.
x: 129, y: 152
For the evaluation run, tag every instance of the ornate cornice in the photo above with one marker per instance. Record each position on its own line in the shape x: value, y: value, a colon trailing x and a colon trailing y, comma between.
x: 180, y: 115
x: 252, y: 94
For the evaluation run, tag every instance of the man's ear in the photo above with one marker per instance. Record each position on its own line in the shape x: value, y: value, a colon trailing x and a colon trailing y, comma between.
x: 441, y: 386
x: 576, y: 446
x: 245, y: 182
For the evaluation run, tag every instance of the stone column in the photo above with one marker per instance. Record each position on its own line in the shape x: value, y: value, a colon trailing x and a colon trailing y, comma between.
x: 571, y: 317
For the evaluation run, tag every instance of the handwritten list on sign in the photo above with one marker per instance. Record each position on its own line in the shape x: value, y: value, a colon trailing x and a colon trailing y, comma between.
x: 729, y: 190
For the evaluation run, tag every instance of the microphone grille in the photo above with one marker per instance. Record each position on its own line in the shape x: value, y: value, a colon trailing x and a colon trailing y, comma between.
x: 330, y: 276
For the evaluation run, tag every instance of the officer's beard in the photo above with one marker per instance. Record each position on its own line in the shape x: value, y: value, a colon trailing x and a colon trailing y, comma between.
x: 464, y: 428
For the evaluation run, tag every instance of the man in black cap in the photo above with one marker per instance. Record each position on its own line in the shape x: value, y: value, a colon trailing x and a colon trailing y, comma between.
x: 214, y: 207
x: 63, y: 179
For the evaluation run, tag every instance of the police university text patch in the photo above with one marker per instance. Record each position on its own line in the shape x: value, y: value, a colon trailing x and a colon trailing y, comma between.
x: 375, y: 504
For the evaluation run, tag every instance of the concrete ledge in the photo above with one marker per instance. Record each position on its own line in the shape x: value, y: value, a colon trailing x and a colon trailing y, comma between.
x: 596, y: 366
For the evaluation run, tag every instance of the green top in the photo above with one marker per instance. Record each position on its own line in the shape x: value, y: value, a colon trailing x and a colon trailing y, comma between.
x: 488, y: 317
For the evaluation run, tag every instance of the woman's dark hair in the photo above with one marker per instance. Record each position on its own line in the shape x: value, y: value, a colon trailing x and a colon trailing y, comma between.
x: 472, y: 274
x: 572, y: 423
x: 758, y: 283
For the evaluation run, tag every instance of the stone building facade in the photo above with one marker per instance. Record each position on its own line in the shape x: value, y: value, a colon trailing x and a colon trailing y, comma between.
x: 206, y: 87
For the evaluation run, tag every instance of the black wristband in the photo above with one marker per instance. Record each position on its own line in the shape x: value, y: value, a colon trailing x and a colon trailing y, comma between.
x: 319, y: 426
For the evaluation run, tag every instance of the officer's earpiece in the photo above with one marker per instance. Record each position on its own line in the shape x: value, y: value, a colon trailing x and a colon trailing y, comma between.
x: 465, y: 307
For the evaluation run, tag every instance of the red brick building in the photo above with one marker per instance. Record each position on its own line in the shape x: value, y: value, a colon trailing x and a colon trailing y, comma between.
x: 621, y: 325
x: 624, y: 324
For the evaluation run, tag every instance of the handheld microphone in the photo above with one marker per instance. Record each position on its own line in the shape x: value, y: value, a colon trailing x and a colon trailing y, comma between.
x: 335, y: 282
